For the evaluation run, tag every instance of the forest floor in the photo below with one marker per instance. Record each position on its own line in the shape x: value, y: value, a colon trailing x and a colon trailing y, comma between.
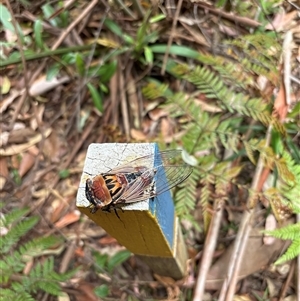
x: 76, y: 79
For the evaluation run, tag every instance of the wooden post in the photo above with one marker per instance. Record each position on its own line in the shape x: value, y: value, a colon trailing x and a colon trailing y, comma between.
x: 149, y: 229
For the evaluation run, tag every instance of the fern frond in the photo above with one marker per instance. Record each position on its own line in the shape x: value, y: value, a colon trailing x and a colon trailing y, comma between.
x: 290, y: 186
x: 231, y: 73
x: 261, y: 53
x: 155, y: 90
x: 9, y: 265
x: 13, y: 217
x: 9, y: 295
x: 286, y: 175
x: 213, y: 87
x: 36, y: 246
x: 205, y: 197
x: 290, y: 232
x: 280, y: 207
x: 43, y: 277
x: 266, y: 153
x: 185, y: 197
x: 15, y: 262
x: 292, y: 251
x: 16, y: 232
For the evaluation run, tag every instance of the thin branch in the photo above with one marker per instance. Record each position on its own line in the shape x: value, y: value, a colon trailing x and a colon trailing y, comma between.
x: 287, y: 56
x: 170, y: 41
x: 230, y: 281
x: 209, y: 248
x: 74, y: 23
x: 220, y: 13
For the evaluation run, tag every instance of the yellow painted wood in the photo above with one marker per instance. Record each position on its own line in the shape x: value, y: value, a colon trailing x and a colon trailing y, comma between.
x: 138, y: 231
x: 175, y: 266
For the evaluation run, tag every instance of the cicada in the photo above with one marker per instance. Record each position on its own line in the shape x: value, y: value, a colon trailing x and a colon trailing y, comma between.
x: 137, y: 180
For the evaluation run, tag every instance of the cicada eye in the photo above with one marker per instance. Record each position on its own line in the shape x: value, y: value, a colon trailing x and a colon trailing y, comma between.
x: 89, y: 191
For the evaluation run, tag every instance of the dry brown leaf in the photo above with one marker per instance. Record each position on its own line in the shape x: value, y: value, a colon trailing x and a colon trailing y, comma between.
x: 37, y: 119
x: 105, y: 42
x: 26, y: 163
x: 20, y: 135
x: 150, y: 105
x: 280, y: 106
x: 79, y: 252
x: 51, y: 147
x: 3, y: 172
x: 28, y: 267
x: 263, y: 178
x: 164, y: 280
x: 166, y: 128
x: 63, y: 297
x: 59, y: 205
x: 19, y: 148
x: 68, y: 219
x: 256, y: 256
x: 195, y: 33
x: 138, y: 135
x: 230, y: 31
x: 157, y: 113
x: 2, y: 182
x: 3, y: 167
x: 291, y: 298
x: 273, y: 289
x: 42, y: 193
x: 15, y: 162
x: 4, y: 138
x: 276, y: 24
x: 107, y: 240
x: 86, y: 292
x: 269, y: 226
x: 5, y: 84
x: 146, y: 125
x: 42, y: 85
x: 133, y: 101
x: 283, y: 21
x: 171, y: 285
x: 242, y: 298
x: 175, y: 137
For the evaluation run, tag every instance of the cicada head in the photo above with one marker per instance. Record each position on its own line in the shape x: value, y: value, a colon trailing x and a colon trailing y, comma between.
x: 97, y: 193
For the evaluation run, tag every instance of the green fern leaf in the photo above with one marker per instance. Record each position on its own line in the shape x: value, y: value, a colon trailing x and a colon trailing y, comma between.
x: 16, y: 232
x: 13, y: 217
x: 9, y: 295
x: 292, y: 252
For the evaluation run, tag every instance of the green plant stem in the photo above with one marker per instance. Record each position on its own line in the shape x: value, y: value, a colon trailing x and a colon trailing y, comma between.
x: 35, y: 56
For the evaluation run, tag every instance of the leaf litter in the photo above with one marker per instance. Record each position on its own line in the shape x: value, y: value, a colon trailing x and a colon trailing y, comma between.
x: 60, y: 120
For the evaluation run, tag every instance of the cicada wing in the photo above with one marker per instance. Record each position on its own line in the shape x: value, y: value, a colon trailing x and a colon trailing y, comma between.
x: 139, y: 164
x: 154, y: 182
x: 142, y: 163
x: 169, y: 171
x: 168, y: 177
x: 134, y: 199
